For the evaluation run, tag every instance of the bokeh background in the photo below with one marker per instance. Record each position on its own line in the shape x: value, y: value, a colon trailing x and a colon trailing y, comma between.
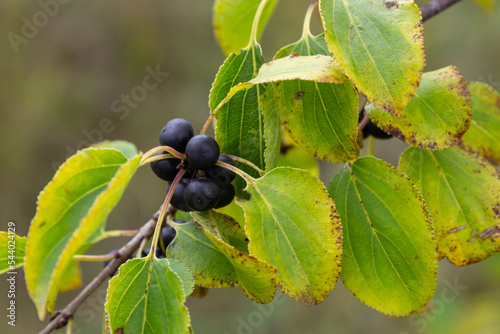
x: 74, y: 71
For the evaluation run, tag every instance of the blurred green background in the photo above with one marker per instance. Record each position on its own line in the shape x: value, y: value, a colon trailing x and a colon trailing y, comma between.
x: 76, y: 69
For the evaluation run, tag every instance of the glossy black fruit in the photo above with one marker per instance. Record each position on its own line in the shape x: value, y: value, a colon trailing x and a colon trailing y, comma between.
x: 226, y: 196
x: 177, y: 200
x: 176, y: 134
x: 202, y: 152
x: 167, y: 235
x: 220, y: 175
x: 202, y: 194
x: 371, y: 129
x: 165, y: 169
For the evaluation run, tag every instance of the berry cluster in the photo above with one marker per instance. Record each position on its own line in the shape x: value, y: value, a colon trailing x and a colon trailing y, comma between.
x: 370, y: 129
x: 204, y: 186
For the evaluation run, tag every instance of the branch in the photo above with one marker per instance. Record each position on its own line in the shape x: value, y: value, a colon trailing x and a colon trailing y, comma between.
x: 60, y: 319
x: 435, y: 7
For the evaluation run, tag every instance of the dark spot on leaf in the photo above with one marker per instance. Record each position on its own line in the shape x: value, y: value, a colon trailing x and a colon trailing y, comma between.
x: 390, y: 4
x: 41, y: 224
x: 299, y: 95
x: 119, y: 331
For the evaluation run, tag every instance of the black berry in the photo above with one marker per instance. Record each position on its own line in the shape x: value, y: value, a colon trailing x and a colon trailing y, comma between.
x: 202, y: 194
x: 176, y: 134
x: 226, y: 196
x: 371, y: 129
x: 167, y: 235
x: 165, y: 169
x: 220, y: 175
x: 202, y: 152
x: 177, y: 200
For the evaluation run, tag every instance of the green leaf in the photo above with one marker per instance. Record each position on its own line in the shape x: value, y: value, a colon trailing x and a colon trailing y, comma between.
x: 272, y: 128
x: 209, y: 267
x: 223, y: 227
x: 72, y: 277
x: 318, y: 68
x: 483, y: 136
x: 257, y: 278
x: 438, y: 115
x: 240, y: 124
x: 233, y: 19
x: 320, y: 117
x: 147, y: 296
x: 463, y: 196
x: 389, y: 260
x: 12, y: 251
x: 216, y: 264
x: 128, y: 149
x: 380, y: 47
x: 72, y: 208
x: 292, y: 224
x: 293, y: 156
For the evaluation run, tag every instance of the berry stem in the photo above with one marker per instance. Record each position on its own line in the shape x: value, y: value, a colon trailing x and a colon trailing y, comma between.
x: 212, y: 115
x: 156, y: 158
x: 141, y: 247
x: 246, y: 162
x: 146, y: 156
x: 364, y: 121
x: 163, y: 211
x: 238, y: 171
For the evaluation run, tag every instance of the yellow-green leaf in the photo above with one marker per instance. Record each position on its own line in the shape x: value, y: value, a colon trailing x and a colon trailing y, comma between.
x: 390, y: 260
x: 379, y: 45
x: 147, y: 297
x: 215, y: 263
x: 438, y: 115
x: 233, y: 19
x: 462, y: 192
x: 483, y: 137
x: 292, y: 224
x: 71, y: 209
x: 12, y: 251
x: 320, y: 117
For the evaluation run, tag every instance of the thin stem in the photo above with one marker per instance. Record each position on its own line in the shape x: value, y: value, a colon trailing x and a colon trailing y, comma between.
x: 371, y: 145
x: 141, y: 247
x: 157, y: 149
x: 238, y: 171
x: 255, y: 24
x: 246, y: 162
x: 306, y: 28
x: 212, y: 115
x: 94, y: 258
x: 123, y: 254
x: 161, y: 218
x: 435, y: 7
x: 116, y: 233
x: 156, y: 158
x: 363, y: 122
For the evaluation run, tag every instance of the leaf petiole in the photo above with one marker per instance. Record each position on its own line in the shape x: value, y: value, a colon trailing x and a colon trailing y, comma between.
x: 246, y: 162
x: 238, y: 171
x: 95, y: 258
